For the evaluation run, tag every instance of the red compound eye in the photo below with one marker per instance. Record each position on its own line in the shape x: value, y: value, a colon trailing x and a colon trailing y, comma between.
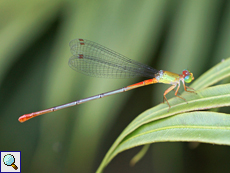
x: 186, y: 72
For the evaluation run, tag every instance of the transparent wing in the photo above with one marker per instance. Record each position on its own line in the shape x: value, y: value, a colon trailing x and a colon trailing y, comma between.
x: 96, y: 60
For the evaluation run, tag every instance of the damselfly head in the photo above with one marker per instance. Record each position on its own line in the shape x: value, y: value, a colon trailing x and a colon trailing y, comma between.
x: 188, y: 76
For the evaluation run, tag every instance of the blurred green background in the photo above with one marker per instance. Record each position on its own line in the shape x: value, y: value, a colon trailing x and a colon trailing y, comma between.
x: 34, y: 74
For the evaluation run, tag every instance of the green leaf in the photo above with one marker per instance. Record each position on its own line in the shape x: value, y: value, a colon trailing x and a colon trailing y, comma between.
x: 214, y: 75
x: 139, y: 155
x: 160, y: 125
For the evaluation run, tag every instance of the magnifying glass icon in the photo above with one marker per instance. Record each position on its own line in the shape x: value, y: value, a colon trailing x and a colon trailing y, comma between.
x: 9, y: 160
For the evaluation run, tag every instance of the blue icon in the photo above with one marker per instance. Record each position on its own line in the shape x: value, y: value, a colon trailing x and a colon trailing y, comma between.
x: 9, y: 160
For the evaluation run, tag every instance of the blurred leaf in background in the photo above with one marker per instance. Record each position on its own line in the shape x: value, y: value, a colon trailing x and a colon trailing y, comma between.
x: 34, y: 75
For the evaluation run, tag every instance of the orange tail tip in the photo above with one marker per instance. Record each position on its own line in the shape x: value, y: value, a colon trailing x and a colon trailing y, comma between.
x: 25, y: 117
